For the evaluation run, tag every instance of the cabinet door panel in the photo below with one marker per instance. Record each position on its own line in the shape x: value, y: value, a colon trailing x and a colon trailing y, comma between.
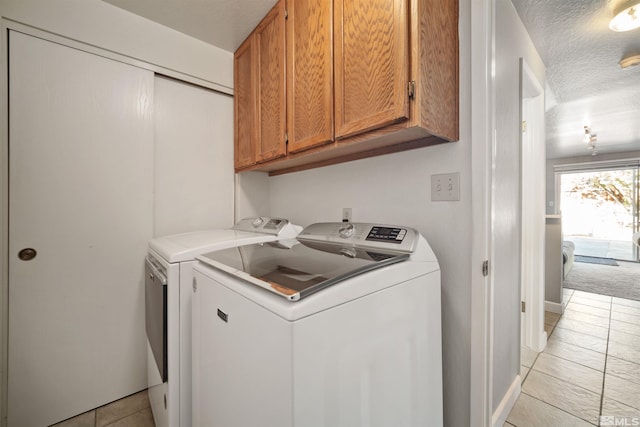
x: 245, y: 106
x: 309, y: 73
x: 270, y: 43
x: 371, y: 64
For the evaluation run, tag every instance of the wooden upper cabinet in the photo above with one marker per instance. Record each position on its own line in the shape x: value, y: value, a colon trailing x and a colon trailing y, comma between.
x: 435, y: 68
x: 363, y: 78
x: 309, y: 73
x: 371, y: 64
x: 259, y: 101
x: 270, y: 43
x: 245, y: 130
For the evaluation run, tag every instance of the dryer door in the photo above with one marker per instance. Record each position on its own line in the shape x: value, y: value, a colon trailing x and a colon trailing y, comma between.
x: 156, y: 314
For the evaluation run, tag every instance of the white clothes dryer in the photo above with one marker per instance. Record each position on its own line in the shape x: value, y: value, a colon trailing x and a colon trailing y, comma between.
x: 168, y: 291
x: 339, y: 327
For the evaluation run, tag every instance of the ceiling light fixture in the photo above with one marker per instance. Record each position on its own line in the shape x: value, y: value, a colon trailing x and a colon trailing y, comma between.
x: 630, y: 61
x: 626, y: 16
x: 590, y: 139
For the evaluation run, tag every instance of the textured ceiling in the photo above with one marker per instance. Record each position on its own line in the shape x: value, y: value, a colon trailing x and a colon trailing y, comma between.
x: 589, y: 87
x: 222, y: 23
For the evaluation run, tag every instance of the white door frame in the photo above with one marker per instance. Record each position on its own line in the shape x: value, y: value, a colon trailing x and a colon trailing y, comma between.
x: 532, y: 197
x: 482, y: 154
x: 4, y: 225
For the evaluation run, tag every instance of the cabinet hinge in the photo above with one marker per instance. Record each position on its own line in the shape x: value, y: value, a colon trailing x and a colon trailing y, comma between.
x: 485, y: 268
x: 523, y: 306
x: 286, y: 138
x: 286, y: 14
x: 411, y: 89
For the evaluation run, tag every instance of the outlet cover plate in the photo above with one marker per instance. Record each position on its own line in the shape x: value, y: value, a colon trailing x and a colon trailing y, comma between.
x: 346, y: 214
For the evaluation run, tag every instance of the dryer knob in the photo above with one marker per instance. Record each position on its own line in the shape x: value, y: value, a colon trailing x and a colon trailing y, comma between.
x: 257, y: 222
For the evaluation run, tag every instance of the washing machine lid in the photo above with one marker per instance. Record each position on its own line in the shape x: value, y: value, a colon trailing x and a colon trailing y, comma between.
x: 323, y: 255
x: 297, y: 269
x: 185, y: 246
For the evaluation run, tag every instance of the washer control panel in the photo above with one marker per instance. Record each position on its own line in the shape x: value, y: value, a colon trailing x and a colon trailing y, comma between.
x: 387, y: 234
x: 374, y: 236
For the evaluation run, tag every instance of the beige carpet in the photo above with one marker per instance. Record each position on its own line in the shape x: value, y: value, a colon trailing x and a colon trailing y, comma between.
x: 622, y: 281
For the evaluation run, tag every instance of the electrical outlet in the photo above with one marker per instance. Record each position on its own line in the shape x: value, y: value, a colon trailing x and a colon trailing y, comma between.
x: 346, y: 214
x: 445, y: 187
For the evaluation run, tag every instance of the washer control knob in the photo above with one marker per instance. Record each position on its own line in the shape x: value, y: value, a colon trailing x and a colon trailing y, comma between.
x: 257, y: 222
x: 347, y: 231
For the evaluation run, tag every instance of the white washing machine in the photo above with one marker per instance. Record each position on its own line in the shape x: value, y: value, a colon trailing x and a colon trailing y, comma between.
x: 339, y: 327
x: 168, y: 291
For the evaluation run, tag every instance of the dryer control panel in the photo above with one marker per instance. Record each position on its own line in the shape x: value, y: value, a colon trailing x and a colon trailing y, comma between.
x: 262, y: 224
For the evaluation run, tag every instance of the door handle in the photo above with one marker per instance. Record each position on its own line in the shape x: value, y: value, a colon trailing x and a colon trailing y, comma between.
x: 155, y: 272
x: 27, y: 254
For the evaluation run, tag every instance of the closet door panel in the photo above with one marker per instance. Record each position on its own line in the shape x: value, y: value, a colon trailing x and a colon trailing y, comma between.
x: 194, y: 178
x: 81, y: 195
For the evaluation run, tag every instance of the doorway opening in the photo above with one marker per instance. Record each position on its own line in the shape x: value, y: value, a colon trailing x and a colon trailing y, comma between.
x: 600, y: 212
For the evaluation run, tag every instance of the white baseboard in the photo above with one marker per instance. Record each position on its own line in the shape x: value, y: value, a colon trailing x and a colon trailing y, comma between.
x: 554, y: 307
x: 504, y: 409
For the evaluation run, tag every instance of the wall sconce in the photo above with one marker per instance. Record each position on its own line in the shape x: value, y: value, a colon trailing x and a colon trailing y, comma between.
x: 626, y: 16
x: 590, y: 139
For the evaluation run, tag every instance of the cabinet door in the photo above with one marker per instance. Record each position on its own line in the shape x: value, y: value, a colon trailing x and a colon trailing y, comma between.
x: 309, y: 73
x: 245, y: 105
x: 269, y: 39
x: 371, y: 64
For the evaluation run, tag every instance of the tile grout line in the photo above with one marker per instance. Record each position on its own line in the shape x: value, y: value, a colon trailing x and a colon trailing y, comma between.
x: 554, y: 405
x: 604, y: 368
x: 606, y: 358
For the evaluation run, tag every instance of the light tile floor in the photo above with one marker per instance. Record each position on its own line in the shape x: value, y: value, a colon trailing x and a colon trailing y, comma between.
x: 589, y: 372
x: 132, y: 411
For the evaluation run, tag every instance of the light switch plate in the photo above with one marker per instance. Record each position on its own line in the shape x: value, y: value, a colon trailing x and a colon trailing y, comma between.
x: 445, y: 187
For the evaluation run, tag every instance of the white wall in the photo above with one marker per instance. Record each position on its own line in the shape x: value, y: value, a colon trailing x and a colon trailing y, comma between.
x: 395, y: 189
x: 103, y: 25
x: 252, y: 195
x: 512, y: 43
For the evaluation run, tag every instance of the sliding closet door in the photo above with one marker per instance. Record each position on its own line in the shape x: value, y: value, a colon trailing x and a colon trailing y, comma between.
x: 194, y: 176
x: 80, y: 209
